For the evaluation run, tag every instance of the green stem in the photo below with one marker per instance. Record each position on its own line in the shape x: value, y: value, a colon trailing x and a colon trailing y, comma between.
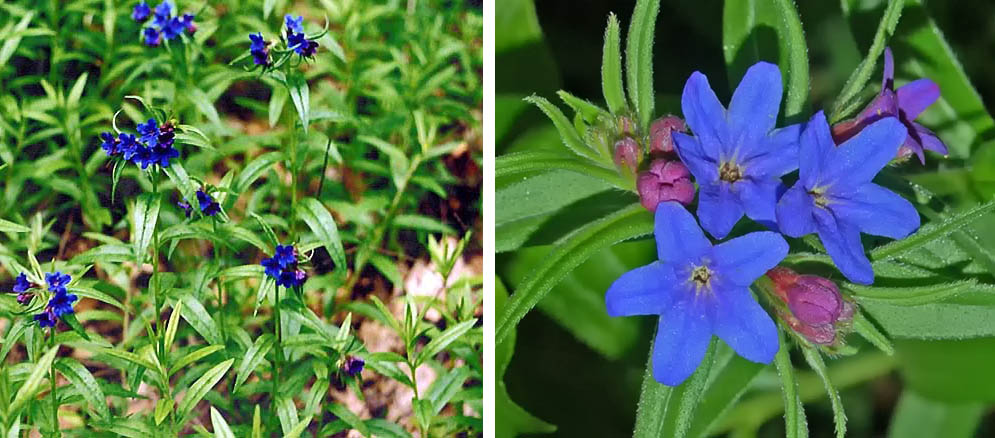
x: 154, y: 281
x: 51, y: 379
x: 293, y: 179
x: 279, y: 350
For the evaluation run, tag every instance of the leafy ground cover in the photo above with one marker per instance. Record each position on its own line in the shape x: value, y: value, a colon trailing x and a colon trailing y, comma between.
x: 288, y: 247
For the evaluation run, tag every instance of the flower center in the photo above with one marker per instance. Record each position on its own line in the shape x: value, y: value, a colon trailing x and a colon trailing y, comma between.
x: 701, y: 276
x: 730, y: 172
x: 819, y: 196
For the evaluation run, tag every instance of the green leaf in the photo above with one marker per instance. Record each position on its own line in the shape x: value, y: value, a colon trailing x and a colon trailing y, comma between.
x: 10, y: 227
x: 178, y: 175
x: 387, y: 267
x: 128, y: 356
x: 381, y: 428
x: 163, y: 408
x: 424, y: 223
x: 253, y: 358
x: 639, y: 59
x: 257, y: 424
x: 445, y: 388
x: 768, y: 30
x: 10, y: 44
x: 350, y: 418
x: 654, y: 398
x: 918, y: 416
x: 399, y: 162
x: 221, y: 428
x: 440, y: 342
x: 915, y: 295
x: 89, y: 292
x: 196, y: 315
x: 204, y: 104
x: 866, y: 328
x: 200, y: 388
x: 255, y: 169
x: 685, y: 399
x: 143, y: 222
x: 611, y: 68
x: 276, y: 103
x: 194, y: 356
x: 72, y: 100
x: 931, y: 232
x: 795, y: 425
x: 858, y: 79
x: 300, y: 95
x: 628, y: 223
x: 731, y: 377
x: 320, y: 221
x: 173, y: 324
x: 30, y: 386
x: 525, y: 163
x: 299, y: 428
x: 85, y: 384
x: 814, y: 359
x: 567, y: 132
x: 73, y: 323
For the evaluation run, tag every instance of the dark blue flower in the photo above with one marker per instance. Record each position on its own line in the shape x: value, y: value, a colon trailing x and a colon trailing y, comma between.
x: 736, y: 156
x: 834, y: 195
x: 257, y: 42
x: 353, y: 365
x: 294, y: 25
x: 286, y: 255
x: 46, y: 319
x: 272, y: 267
x: 152, y: 37
x: 186, y: 207
x: 208, y: 205
x: 163, y: 13
x: 699, y: 290
x: 297, y: 42
x: 188, y: 23
x: 906, y: 103
x: 173, y: 28
x: 62, y: 303
x: 109, y: 143
x: 24, y: 298
x: 128, y: 145
x: 21, y: 283
x: 141, y: 12
x: 291, y: 278
x: 142, y: 156
x: 149, y: 132
x: 57, y: 281
x: 161, y: 155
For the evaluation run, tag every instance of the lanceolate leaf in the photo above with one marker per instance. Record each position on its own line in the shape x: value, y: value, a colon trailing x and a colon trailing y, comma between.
x: 85, y: 384
x: 686, y: 398
x: 628, y: 223
x: 253, y: 358
x: 524, y: 163
x: 199, y: 389
x: 795, y: 425
x: 639, y: 59
x: 566, y: 129
x: 611, y: 68
x: 38, y: 373
x: 814, y: 359
x: 654, y: 397
x: 930, y: 232
x: 320, y: 221
x: 144, y: 218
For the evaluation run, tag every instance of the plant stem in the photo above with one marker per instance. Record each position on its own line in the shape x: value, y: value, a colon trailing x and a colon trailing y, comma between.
x: 279, y: 350
x: 154, y: 281
x: 51, y: 377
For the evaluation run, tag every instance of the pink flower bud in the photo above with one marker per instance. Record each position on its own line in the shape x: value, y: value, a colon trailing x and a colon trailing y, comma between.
x: 627, y: 154
x: 665, y: 181
x: 816, y: 334
x: 815, y: 300
x: 660, y: 131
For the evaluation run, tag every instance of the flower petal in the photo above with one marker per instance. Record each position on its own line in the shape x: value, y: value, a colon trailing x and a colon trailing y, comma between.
x: 645, y: 290
x: 815, y: 148
x: 863, y: 156
x: 758, y: 198
x: 876, y: 210
x: 704, y: 113
x: 702, y: 164
x: 742, y: 260
x: 778, y: 154
x: 753, y: 108
x: 678, y: 236
x: 718, y: 208
x: 681, y: 342
x: 929, y: 139
x: 912, y: 146
x: 795, y: 212
x: 842, y: 242
x: 738, y: 320
x: 888, y: 78
x: 914, y: 97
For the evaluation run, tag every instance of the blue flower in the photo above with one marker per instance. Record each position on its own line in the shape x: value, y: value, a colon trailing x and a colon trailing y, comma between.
x: 62, y: 303
x: 300, y: 44
x: 188, y: 23
x: 286, y: 255
x: 21, y: 283
x: 142, y: 156
x: 161, y: 155
x: 57, y: 281
x: 149, y: 132
x: 128, y: 145
x: 208, y: 205
x: 260, y: 53
x: 699, y: 290
x: 282, y: 267
x: 834, y: 195
x: 291, y: 277
x: 46, y: 319
x: 141, y: 12
x: 163, y: 13
x: 736, y: 156
x: 294, y: 25
x: 173, y: 28
x: 152, y: 37
x: 110, y: 143
x: 353, y: 365
x: 186, y: 207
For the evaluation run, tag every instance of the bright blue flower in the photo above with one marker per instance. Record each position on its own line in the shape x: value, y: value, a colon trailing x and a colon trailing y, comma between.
x: 835, y: 197
x: 286, y: 255
x: 109, y: 143
x: 57, y: 281
x: 142, y: 156
x: 208, y: 205
x: 260, y: 53
x: 46, y: 319
x: 141, y: 12
x: 128, y: 146
x: 296, y: 41
x: 163, y: 13
x: 149, y: 132
x: 291, y: 278
x: 282, y: 267
x: 161, y: 155
x: 173, y: 28
x: 736, y: 156
x: 699, y: 290
x: 62, y: 303
x: 294, y: 25
x: 272, y: 267
x: 21, y: 283
x: 152, y: 37
x: 188, y: 23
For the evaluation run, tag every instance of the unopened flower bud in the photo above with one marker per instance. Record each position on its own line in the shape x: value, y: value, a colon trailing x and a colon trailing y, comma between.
x: 353, y: 365
x: 815, y: 300
x: 665, y: 181
x: 24, y: 298
x: 625, y: 127
x: 627, y: 154
x: 816, y: 334
x: 661, y: 130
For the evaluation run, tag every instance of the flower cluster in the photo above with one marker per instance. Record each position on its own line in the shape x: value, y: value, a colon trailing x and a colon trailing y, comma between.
x: 154, y: 144
x: 164, y: 24
x: 208, y: 206
x: 60, y: 302
x: 738, y: 157
x: 283, y: 268
x: 296, y: 42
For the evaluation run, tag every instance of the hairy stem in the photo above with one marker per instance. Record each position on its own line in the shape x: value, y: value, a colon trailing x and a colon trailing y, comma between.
x: 277, y: 362
x: 51, y: 378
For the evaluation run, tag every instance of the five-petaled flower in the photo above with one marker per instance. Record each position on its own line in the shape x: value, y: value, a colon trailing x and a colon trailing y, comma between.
x: 834, y: 195
x: 699, y: 289
x: 283, y: 268
x: 736, y: 156
x: 258, y: 48
x: 141, y: 12
x: 294, y: 25
x: 208, y: 205
x: 61, y: 302
x: 21, y: 283
x: 906, y: 104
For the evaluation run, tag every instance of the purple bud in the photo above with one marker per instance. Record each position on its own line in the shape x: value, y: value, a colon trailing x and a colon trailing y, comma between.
x: 665, y: 181
x: 627, y: 154
x: 24, y: 298
x: 815, y: 300
x: 816, y: 334
x: 353, y: 365
x: 661, y: 130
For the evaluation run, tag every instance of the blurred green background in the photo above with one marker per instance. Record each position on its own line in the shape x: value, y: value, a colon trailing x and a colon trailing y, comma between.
x: 578, y: 369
